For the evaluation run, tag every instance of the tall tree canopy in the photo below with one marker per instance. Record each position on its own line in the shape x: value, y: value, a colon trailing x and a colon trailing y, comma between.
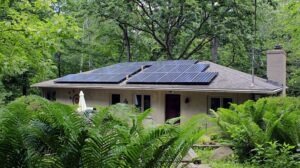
x: 30, y: 32
x: 42, y: 39
x: 180, y: 29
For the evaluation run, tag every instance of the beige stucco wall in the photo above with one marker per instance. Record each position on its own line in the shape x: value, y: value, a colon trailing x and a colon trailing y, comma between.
x: 198, y: 102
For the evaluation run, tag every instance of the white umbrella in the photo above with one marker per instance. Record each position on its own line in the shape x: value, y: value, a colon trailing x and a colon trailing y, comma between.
x: 81, y: 104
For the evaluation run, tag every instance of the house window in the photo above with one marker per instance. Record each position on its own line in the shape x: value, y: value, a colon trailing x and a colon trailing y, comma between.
x: 115, y: 98
x: 226, y: 102
x: 138, y: 102
x: 217, y: 102
x: 51, y: 95
x: 143, y: 102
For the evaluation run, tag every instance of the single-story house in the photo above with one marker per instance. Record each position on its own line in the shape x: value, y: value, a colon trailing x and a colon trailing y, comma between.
x: 171, y: 88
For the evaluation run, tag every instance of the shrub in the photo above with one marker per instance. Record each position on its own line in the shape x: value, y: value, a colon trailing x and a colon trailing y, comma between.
x: 275, y: 155
x: 267, y: 120
x: 37, y: 133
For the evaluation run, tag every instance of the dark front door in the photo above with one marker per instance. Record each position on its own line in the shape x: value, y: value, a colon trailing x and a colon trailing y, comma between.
x: 172, y: 106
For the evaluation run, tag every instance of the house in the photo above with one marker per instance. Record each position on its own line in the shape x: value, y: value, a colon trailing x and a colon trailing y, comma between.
x: 171, y: 88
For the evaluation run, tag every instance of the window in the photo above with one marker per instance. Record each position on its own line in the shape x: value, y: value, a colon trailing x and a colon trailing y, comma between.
x: 217, y: 102
x: 226, y: 102
x: 115, y: 98
x: 147, y: 102
x: 143, y: 102
x: 51, y: 95
x: 138, y: 102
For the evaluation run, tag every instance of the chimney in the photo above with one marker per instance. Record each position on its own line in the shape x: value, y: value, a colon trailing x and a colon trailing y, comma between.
x: 276, y: 67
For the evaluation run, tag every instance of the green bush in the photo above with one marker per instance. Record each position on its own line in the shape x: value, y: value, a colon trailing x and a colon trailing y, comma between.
x: 266, y: 120
x: 275, y: 155
x: 37, y: 133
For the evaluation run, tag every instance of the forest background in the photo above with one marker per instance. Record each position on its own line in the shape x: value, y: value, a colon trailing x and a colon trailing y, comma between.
x: 46, y: 39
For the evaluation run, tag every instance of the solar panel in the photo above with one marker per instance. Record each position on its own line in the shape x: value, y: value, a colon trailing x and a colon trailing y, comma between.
x: 205, y: 77
x: 197, y: 68
x: 176, y: 62
x: 180, y: 68
x: 92, y: 78
x: 110, y: 74
x: 169, y: 77
x: 177, y: 68
x: 185, y: 78
x: 153, y: 68
x: 159, y: 72
x: 166, y: 68
x: 139, y: 77
x: 153, y: 77
x: 173, y: 78
x: 119, y: 68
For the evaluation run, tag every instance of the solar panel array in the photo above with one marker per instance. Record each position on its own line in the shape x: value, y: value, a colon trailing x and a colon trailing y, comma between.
x: 173, y: 78
x: 174, y: 74
x: 110, y: 74
x: 151, y: 72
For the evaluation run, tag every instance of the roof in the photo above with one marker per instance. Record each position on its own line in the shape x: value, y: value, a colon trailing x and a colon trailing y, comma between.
x: 227, y: 80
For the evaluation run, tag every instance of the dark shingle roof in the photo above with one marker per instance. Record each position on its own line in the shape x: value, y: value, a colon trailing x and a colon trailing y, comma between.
x: 227, y: 80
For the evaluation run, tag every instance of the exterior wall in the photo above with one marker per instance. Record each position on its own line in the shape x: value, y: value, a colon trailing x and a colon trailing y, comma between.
x: 198, y: 102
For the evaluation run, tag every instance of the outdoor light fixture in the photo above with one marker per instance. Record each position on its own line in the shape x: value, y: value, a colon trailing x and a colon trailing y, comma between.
x: 187, y: 100
x: 125, y: 101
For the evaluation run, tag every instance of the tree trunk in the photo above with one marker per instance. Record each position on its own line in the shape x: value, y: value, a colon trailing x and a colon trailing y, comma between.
x: 58, y: 58
x: 24, y: 83
x: 126, y: 42
x: 214, y: 49
x: 169, y: 46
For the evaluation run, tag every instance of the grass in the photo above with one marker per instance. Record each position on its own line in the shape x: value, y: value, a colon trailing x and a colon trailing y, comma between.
x: 205, y: 157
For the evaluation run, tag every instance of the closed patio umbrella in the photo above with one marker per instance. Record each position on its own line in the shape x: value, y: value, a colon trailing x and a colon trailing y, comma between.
x: 82, y: 105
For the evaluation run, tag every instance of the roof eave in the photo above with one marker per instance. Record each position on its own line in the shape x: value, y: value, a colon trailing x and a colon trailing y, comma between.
x: 223, y: 90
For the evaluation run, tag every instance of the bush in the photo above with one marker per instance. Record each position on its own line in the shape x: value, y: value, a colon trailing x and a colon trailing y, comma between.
x: 257, y: 123
x: 275, y: 155
x: 37, y: 133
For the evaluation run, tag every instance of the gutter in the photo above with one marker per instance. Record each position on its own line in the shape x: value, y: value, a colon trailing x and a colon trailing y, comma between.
x: 224, y: 90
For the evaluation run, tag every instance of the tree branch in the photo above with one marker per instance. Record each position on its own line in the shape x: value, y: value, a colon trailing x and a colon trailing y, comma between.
x: 198, y: 47
x: 141, y: 5
x: 190, y: 42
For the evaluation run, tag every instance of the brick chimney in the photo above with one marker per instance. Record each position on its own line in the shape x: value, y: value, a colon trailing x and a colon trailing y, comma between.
x: 276, y: 67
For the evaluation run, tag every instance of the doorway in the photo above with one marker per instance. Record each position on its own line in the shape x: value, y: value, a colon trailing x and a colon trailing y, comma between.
x: 172, y: 106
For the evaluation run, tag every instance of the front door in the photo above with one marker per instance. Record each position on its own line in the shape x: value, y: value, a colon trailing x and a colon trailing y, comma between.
x: 172, y: 106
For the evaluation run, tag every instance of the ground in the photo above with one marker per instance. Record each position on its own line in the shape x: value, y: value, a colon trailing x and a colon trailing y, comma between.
x: 205, y: 154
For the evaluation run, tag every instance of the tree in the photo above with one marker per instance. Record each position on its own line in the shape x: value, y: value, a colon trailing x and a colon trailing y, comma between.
x: 182, y: 29
x: 280, y: 26
x: 30, y: 34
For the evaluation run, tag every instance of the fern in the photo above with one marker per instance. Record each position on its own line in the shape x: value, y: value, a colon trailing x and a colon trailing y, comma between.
x: 37, y: 133
x: 268, y: 119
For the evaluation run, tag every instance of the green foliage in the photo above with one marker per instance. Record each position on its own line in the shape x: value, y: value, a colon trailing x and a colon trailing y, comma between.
x: 37, y: 133
x: 30, y: 34
x: 266, y: 153
x: 281, y: 26
x: 257, y: 123
x: 180, y: 29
